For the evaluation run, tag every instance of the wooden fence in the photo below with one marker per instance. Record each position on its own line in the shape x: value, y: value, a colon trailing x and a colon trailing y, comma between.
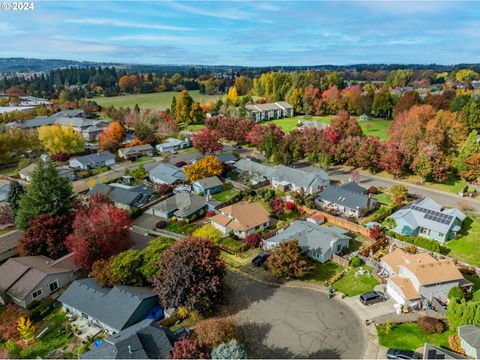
x: 340, y: 260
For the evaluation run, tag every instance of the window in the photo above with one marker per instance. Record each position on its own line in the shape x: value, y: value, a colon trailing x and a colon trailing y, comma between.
x: 53, y: 286
x: 37, y: 293
x: 425, y: 231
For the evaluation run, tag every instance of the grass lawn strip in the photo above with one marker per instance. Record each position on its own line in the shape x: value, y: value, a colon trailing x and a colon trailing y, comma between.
x: 466, y: 246
x: 226, y: 194
x: 322, y: 272
x: 352, y: 285
x: 185, y: 229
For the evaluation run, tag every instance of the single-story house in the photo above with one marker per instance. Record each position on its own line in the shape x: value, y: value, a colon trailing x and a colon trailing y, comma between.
x: 432, y: 352
x: 425, y: 217
x: 318, y: 242
x: 112, y: 309
x: 135, y: 151
x: 210, y: 185
x: 350, y: 199
x: 259, y: 173
x: 413, y: 277
x: 470, y: 340
x: 181, y: 205
x: 166, y: 174
x: 124, y: 196
x: 8, y: 245
x: 171, y: 145
x: 26, y: 172
x: 269, y: 111
x: 144, y: 340
x: 242, y: 218
x: 71, y: 113
x: 64, y: 171
x: 287, y: 178
x: 91, y: 161
x: 28, y: 278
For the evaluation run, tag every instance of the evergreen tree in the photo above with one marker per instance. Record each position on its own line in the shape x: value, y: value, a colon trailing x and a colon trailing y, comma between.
x: 173, y: 106
x: 469, y: 147
x: 14, y: 195
x: 136, y: 109
x: 48, y: 193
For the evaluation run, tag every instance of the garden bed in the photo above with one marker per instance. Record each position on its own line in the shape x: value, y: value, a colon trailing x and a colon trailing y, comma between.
x: 231, y: 245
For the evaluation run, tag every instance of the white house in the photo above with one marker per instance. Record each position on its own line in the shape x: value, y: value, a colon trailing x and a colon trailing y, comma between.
x: 265, y: 112
x: 171, y: 145
x: 91, y: 161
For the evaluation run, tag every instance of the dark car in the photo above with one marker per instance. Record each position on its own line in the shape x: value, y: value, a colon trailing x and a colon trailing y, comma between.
x: 260, y: 259
x: 401, y: 354
x: 372, y: 297
x: 181, y: 164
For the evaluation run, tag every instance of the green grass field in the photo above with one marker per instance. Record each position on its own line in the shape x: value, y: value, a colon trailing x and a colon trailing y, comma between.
x: 352, y: 285
x: 322, y: 272
x: 466, y: 247
x: 155, y: 101
x: 476, y: 286
x: 226, y: 194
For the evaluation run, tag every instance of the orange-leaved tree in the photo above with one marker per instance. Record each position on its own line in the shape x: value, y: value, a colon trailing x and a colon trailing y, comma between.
x: 111, y: 137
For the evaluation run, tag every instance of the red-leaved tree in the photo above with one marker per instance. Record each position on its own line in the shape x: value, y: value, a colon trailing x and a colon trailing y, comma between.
x: 253, y: 240
x: 188, y: 348
x: 6, y: 216
x: 100, y: 230
x: 207, y: 141
x: 277, y: 205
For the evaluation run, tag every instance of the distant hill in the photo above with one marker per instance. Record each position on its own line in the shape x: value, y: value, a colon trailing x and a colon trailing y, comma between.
x: 12, y: 65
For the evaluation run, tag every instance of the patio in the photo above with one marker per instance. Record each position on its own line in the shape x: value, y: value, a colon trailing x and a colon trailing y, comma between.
x: 85, y: 329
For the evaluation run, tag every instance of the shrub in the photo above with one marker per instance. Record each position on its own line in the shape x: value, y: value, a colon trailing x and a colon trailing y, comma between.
x: 287, y: 260
x: 424, y: 243
x: 230, y: 350
x: 253, y: 240
x: 430, y: 325
x: 277, y: 205
x: 208, y: 232
x: 372, y: 190
x: 376, y: 233
x: 83, y: 174
x: 214, y: 331
x: 161, y: 224
x: 163, y: 189
x: 189, y: 349
x: 182, y: 312
x: 456, y: 294
x: 210, y: 213
x: 135, y: 213
x: 60, y: 157
x: 269, y: 194
x: 356, y: 262
x: 290, y: 206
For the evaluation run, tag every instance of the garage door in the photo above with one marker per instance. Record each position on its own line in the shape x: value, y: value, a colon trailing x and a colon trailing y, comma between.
x: 395, y: 295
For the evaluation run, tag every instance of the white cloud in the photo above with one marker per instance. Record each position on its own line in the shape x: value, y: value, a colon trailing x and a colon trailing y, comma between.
x: 122, y: 23
x: 230, y: 13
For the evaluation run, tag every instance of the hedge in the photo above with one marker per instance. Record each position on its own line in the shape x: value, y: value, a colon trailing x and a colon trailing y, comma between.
x: 425, y: 243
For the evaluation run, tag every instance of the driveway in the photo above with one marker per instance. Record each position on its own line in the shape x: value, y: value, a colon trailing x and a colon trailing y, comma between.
x: 373, y: 311
x: 285, y: 322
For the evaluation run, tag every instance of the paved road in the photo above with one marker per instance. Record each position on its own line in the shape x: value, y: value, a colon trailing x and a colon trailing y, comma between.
x: 283, y: 322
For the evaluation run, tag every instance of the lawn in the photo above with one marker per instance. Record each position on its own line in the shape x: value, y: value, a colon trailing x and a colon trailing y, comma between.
x: 232, y: 245
x: 466, y: 246
x: 226, y: 194
x: 181, y: 228
x: 154, y: 101
x: 384, y: 198
x: 193, y: 127
x: 476, y: 286
x: 352, y: 285
x: 322, y: 272
x: 410, y: 337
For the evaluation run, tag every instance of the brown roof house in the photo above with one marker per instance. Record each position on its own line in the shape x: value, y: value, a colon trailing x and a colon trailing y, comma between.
x: 28, y: 278
x: 241, y: 219
x: 413, y: 277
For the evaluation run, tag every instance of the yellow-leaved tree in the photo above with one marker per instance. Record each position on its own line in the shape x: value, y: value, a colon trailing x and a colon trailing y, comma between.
x: 60, y: 139
x: 26, y: 329
x: 206, y: 167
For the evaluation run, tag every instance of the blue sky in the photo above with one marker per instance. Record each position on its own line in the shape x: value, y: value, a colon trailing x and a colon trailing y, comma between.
x: 245, y: 32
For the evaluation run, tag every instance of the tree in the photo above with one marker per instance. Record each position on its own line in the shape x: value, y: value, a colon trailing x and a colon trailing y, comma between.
x: 46, y: 236
x: 466, y: 75
x: 196, y: 114
x: 430, y: 162
x: 8, y: 323
x: 346, y: 125
x: 139, y: 173
x: 472, y: 115
x: 183, y: 107
x: 312, y: 101
x: 215, y: 331
x: 208, y: 232
x: 101, y: 272
x: 277, y: 205
x: 6, y: 216
x: 48, y: 193
x: 15, y: 193
x: 230, y: 350
x: 242, y: 85
x: 382, y: 104
x: 472, y: 167
x: 191, y: 275
x: 391, y: 158
x: 26, y: 329
x: 376, y: 233
x: 126, y: 268
x: 189, y: 348
x: 203, y: 168
x: 253, y: 240
x: 390, y: 223
x: 206, y: 141
x: 232, y: 94
x: 406, y: 102
x: 400, y: 77
x: 60, y: 139
x: 256, y: 135
x: 399, y: 193
x: 456, y: 294
x: 286, y: 260
x: 150, y: 255
x: 100, y: 230
x: 272, y: 139
x: 111, y: 137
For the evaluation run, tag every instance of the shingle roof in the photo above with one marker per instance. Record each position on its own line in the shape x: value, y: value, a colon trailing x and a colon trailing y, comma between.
x: 210, y: 182
x: 227, y: 157
x: 92, y: 159
x: 9, y: 241
x: 341, y: 195
x: 166, y: 173
x: 245, y: 216
x: 280, y: 105
x: 254, y: 167
x: 123, y: 194
x: 4, y: 189
x: 299, y: 177
x: 184, y: 204
x: 113, y: 307
x: 470, y: 334
x: 134, y: 149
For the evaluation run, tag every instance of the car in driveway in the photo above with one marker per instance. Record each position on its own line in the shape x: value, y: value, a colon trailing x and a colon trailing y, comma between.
x: 260, y: 259
x: 372, y: 297
x: 401, y: 354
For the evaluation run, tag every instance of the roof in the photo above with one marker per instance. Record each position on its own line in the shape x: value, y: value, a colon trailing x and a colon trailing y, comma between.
x: 210, y: 182
x: 424, y: 267
x: 123, y: 194
x: 184, y: 204
x: 470, y: 334
x: 343, y: 195
x: 4, y: 189
x: 9, y: 241
x: 114, y: 307
x: 406, y: 287
x: 92, y: 159
x: 226, y: 157
x: 279, y: 105
x: 245, y: 216
x: 254, y: 167
x: 27, y: 171
x: 313, y: 124
x: 135, y: 149
x: 69, y: 113
x: 171, y: 142
x: 144, y: 340
x: 427, y: 213
x: 432, y: 352
x: 299, y: 177
x: 20, y: 275
x: 310, y: 235
x: 166, y: 173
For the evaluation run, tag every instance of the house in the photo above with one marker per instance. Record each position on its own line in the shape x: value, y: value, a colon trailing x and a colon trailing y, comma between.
x: 241, y: 219
x: 91, y: 161
x: 70, y: 113
x: 227, y: 158
x: 265, y: 112
x: 425, y: 217
x: 166, y: 174
x: 26, y: 172
x: 413, y: 277
x: 311, y: 124
x: 432, y: 352
x: 124, y: 196
x: 287, y: 178
x: 350, y: 199
x: 470, y: 340
x: 253, y: 168
x: 316, y: 241
x: 208, y: 186
x: 171, y: 145
x: 112, y: 309
x: 182, y: 206
x: 136, y: 151
x: 28, y: 278
x: 144, y: 340
x: 8, y: 245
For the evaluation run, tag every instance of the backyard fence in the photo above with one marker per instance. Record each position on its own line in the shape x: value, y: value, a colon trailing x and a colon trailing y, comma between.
x: 340, y: 260
x: 236, y: 185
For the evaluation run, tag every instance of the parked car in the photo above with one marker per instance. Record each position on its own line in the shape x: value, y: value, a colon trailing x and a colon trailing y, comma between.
x: 181, y: 164
x: 260, y: 259
x: 372, y: 297
x: 237, y: 146
x: 401, y: 354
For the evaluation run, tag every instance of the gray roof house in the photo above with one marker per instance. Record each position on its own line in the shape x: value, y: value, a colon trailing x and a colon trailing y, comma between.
x: 254, y: 168
x: 124, y: 196
x: 210, y: 185
x: 135, y: 151
x: 312, y: 124
x: 317, y: 241
x: 8, y: 244
x: 90, y: 161
x: 350, y: 199
x: 28, y: 278
x: 289, y: 178
x: 171, y: 145
x: 112, y: 309
x: 182, y: 206
x: 166, y: 174
x: 470, y: 340
x: 70, y: 113
x: 432, y: 352
x: 144, y: 340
